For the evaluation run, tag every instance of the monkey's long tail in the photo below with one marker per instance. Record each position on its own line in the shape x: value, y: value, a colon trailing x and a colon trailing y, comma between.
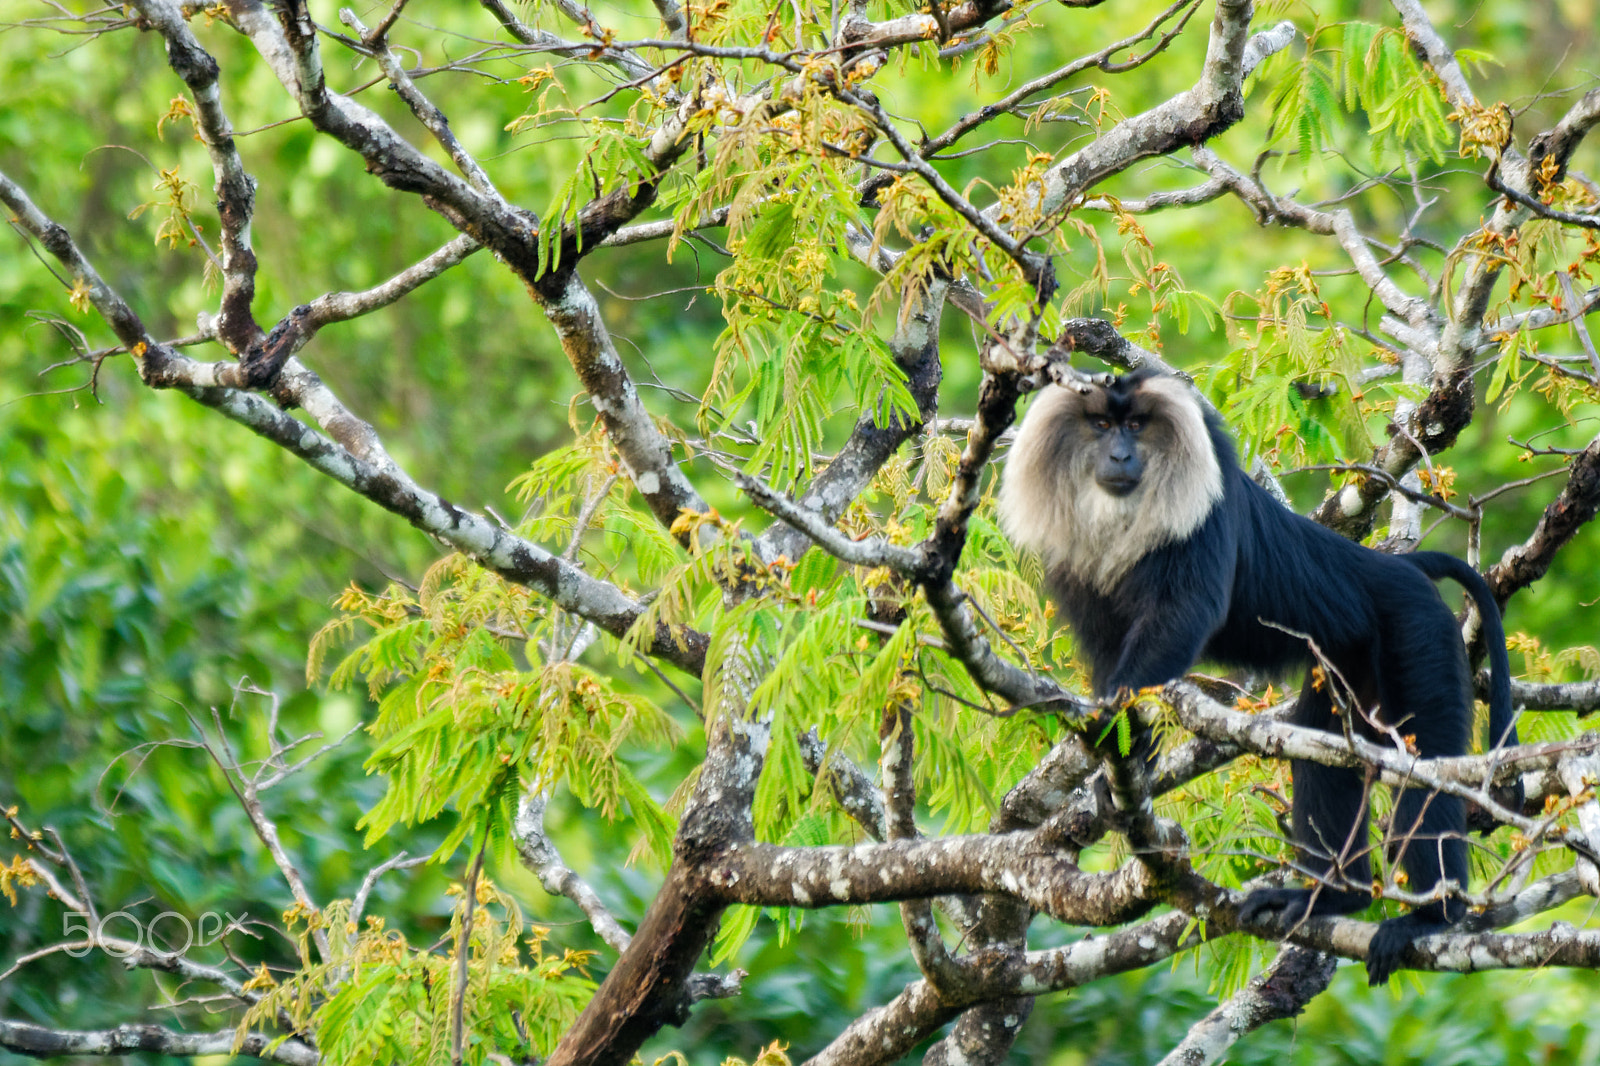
x: 1436, y: 565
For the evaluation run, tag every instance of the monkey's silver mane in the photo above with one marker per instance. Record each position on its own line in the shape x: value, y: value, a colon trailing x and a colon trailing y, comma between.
x: 1050, y: 503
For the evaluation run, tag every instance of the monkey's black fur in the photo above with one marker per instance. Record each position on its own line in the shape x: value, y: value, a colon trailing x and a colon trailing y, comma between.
x: 1376, y: 618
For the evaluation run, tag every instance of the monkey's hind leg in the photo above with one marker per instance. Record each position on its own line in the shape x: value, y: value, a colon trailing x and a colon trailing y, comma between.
x: 1330, y: 832
x: 1430, y: 831
x: 1426, y: 695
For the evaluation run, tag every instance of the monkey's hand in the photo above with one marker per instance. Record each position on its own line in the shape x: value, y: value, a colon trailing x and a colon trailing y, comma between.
x: 1279, y: 909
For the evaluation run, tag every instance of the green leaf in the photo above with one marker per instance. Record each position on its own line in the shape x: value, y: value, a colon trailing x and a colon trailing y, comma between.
x: 772, y: 235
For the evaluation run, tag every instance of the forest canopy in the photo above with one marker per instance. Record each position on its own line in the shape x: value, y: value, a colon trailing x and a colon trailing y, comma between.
x: 498, y: 547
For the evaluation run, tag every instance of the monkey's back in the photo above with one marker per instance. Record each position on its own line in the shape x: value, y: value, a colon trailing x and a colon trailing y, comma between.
x: 1378, y: 618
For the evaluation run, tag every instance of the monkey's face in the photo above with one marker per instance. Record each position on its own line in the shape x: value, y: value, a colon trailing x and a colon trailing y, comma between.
x: 1118, y: 465
x: 1116, y: 429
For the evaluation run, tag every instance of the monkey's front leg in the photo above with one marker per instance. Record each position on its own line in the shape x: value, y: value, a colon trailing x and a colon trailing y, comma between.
x: 1159, y: 647
x: 1153, y: 652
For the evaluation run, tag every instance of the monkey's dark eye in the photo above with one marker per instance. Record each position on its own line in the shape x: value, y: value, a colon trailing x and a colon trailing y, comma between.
x: 1134, y: 424
x: 1102, y: 423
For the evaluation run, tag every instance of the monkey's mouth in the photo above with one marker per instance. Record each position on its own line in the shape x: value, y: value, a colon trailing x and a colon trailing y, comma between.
x: 1118, y: 486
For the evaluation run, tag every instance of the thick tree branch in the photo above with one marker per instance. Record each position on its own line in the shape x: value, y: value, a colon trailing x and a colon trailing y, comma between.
x: 1024, y: 865
x: 1580, y: 696
x: 1048, y: 787
x: 1562, y: 139
x: 1190, y: 118
x: 1439, y: 55
x: 645, y: 450
x: 38, y: 1042
x: 1559, y: 945
x: 1467, y: 776
x: 863, y: 34
x: 1462, y: 951
x: 888, y: 1033
x: 653, y: 983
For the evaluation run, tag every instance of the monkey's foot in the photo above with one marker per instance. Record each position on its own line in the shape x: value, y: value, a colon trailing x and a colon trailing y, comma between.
x: 1281, y: 910
x: 1394, y: 936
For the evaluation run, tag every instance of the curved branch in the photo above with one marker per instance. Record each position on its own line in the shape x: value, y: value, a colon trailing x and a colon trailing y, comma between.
x: 887, y: 1033
x: 1573, y: 508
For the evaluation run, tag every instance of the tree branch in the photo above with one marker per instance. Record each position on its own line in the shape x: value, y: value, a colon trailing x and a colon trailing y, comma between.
x: 1572, y: 509
x: 1190, y: 118
x: 653, y: 983
x: 235, y: 188
x: 1295, y: 978
x: 39, y: 1042
x: 1025, y: 865
x: 915, y: 348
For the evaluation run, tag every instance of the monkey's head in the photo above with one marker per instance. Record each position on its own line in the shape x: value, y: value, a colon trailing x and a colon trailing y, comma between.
x: 1102, y: 474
